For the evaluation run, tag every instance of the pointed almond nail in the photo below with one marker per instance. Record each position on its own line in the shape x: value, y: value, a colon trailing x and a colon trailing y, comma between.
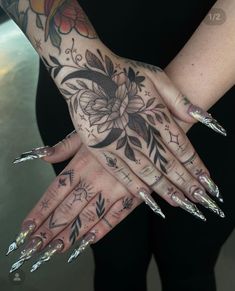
x: 53, y: 248
x: 32, y: 247
x: 210, y: 186
x: 26, y: 231
x: 206, y: 118
x: 207, y: 202
x: 87, y: 240
x: 148, y: 199
x: 36, y: 153
x: 188, y: 206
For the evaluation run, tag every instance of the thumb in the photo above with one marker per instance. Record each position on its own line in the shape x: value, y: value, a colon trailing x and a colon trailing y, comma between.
x: 180, y: 106
x: 64, y: 149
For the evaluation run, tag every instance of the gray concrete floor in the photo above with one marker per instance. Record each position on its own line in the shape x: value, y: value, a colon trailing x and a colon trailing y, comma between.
x: 22, y: 185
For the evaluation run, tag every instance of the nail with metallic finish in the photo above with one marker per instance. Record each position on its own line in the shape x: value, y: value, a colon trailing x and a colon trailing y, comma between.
x: 32, y: 247
x: 26, y: 231
x: 188, y: 206
x: 36, y: 153
x: 210, y: 186
x: 53, y: 248
x: 87, y: 240
x: 207, y: 202
x: 206, y: 118
x: 148, y: 199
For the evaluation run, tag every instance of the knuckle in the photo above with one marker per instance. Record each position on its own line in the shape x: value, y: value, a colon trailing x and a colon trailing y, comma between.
x: 187, y: 151
x: 171, y: 164
x: 147, y: 170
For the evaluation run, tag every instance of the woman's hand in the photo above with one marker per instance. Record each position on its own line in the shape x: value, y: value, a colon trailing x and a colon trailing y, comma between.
x: 118, y: 110
x: 79, y: 204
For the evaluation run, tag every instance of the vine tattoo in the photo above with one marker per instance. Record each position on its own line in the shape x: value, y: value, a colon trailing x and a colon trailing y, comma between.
x: 111, y: 102
x: 75, y: 230
x: 100, y: 206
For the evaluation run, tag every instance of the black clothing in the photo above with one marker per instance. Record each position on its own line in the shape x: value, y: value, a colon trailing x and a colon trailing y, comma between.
x: 185, y: 249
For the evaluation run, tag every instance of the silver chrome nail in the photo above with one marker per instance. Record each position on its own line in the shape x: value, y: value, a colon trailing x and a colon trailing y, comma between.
x: 207, y: 202
x: 33, y: 246
x: 188, y: 206
x: 206, y: 118
x: 53, y: 248
x: 210, y: 186
x: 26, y: 231
x: 87, y: 240
x: 148, y: 199
x: 36, y: 153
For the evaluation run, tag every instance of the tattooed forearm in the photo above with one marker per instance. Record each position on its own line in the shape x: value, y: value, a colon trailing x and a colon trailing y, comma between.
x: 54, y: 17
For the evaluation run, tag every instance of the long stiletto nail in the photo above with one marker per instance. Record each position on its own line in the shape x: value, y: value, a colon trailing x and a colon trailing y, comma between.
x: 53, y: 248
x: 36, y: 153
x: 24, y: 234
x: 210, y: 186
x: 33, y: 246
x: 207, y: 202
x: 188, y: 206
x: 148, y: 199
x: 87, y: 240
x: 206, y: 118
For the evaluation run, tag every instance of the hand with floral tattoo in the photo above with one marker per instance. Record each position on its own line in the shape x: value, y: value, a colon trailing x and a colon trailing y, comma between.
x: 79, y: 205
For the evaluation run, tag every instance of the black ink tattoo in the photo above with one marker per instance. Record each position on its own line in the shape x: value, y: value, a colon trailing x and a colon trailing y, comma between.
x: 43, y: 235
x: 38, y: 44
x: 53, y: 222
x: 157, y: 180
x: 75, y: 230
x: 127, y: 203
x: 107, y: 222
x: 64, y: 176
x: 112, y: 104
x: 180, y: 177
x: 44, y: 204
x: 111, y: 162
x: 82, y: 191
x: 199, y: 172
x: 100, y: 205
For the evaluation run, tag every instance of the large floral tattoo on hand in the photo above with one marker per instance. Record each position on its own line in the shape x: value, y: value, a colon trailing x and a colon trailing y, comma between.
x: 112, y: 103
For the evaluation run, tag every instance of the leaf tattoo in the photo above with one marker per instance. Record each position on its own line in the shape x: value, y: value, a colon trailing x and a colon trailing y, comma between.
x: 75, y: 229
x: 100, y: 206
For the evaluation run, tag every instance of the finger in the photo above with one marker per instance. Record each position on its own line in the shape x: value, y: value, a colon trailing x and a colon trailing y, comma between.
x: 62, y: 242
x: 177, y: 174
x: 82, y: 208
x: 180, y: 105
x: 62, y: 185
x: 63, y: 150
x: 155, y: 179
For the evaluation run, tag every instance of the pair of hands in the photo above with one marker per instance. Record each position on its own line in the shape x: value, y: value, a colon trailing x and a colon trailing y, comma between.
x: 127, y: 144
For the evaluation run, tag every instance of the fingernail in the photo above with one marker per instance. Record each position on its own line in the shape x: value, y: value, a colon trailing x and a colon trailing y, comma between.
x: 24, y: 234
x: 188, y: 206
x: 210, y: 186
x: 87, y: 240
x: 36, y: 153
x: 148, y: 199
x: 206, y: 118
x: 53, y: 248
x: 207, y: 202
x: 32, y: 247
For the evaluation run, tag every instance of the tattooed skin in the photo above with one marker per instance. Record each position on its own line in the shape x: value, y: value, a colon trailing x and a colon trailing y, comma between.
x: 110, y: 101
x: 75, y: 229
x: 67, y: 175
x: 112, y: 104
x: 100, y: 206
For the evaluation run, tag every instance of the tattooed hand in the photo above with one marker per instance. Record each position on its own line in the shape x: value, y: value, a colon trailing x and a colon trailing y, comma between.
x: 78, y: 204
x: 117, y: 108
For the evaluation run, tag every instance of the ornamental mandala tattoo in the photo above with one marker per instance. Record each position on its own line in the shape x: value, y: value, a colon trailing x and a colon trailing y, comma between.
x: 111, y: 102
